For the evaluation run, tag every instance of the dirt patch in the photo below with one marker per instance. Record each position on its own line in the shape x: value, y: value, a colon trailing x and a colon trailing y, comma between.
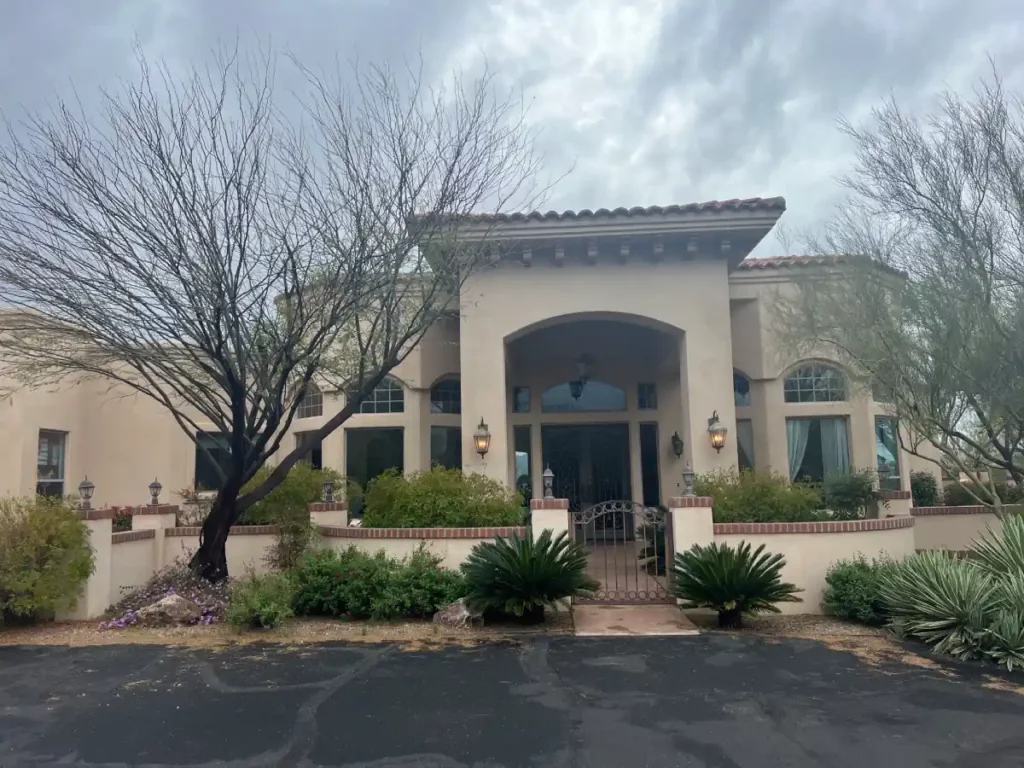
x: 413, y: 635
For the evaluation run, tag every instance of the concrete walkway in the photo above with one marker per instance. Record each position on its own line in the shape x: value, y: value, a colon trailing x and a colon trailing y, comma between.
x: 631, y: 620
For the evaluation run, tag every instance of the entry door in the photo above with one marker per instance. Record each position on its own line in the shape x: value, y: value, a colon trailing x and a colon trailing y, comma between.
x: 590, y: 462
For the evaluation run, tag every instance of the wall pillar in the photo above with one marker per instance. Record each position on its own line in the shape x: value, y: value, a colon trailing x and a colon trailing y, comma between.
x: 692, y: 522
x: 330, y: 513
x: 484, y: 396
x: 549, y: 515
x: 898, y: 505
x: 95, y: 597
x: 159, y: 518
x: 705, y: 381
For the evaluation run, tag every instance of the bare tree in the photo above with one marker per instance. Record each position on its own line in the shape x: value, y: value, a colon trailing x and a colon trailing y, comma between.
x: 930, y: 310
x: 195, y: 245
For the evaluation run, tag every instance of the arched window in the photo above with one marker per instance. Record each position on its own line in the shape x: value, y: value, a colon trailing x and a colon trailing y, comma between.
x: 446, y: 397
x: 312, y: 403
x: 388, y: 397
x: 815, y: 383
x: 740, y: 388
x: 592, y: 396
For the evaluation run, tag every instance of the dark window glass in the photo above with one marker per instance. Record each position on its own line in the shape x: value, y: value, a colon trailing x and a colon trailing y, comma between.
x: 446, y: 447
x: 446, y: 397
x: 592, y: 396
x: 649, y: 464
x: 815, y: 383
x: 312, y: 404
x: 50, y: 462
x: 371, y: 451
x: 521, y: 400
x: 745, y: 443
x: 315, y: 457
x: 217, y: 453
x: 887, y: 453
x: 740, y: 389
x: 817, y: 447
x: 388, y: 397
x: 524, y: 465
x: 647, y: 396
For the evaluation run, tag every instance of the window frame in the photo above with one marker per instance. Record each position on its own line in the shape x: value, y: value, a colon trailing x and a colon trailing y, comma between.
x: 894, y: 482
x: 619, y: 392
x: 312, y: 403
x: 315, y: 457
x: 646, y: 396
x: 453, y: 400
x: 738, y: 374
x: 55, y: 483
x: 390, y: 385
x: 818, y: 371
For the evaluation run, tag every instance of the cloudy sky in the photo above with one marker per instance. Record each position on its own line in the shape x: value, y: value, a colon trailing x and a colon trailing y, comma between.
x: 650, y: 102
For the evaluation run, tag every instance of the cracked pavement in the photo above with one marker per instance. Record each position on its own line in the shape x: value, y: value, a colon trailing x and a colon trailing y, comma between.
x: 715, y: 700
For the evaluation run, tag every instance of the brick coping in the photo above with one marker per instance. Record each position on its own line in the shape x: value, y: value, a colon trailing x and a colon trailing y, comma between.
x: 894, y: 495
x: 154, y: 509
x: 345, y: 532
x: 690, y: 502
x: 123, y: 537
x: 973, y: 509
x: 238, y: 530
x: 835, y: 526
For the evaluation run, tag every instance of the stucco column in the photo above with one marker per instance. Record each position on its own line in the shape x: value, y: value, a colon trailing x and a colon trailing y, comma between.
x: 692, y: 522
x: 156, y: 517
x: 549, y: 515
x: 329, y: 513
x: 705, y: 378
x: 484, y: 396
x: 898, y: 504
x: 95, y: 597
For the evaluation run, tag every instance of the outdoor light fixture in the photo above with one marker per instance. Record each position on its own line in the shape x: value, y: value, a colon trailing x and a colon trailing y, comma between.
x: 327, y: 495
x: 688, y: 475
x: 583, y: 376
x: 154, y: 492
x: 677, y: 445
x: 549, y: 483
x: 884, y: 472
x: 482, y: 438
x: 718, y: 431
x: 85, y: 490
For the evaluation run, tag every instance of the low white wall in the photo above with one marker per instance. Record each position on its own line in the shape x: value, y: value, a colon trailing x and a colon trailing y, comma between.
x: 810, y: 548
x: 133, y: 560
x: 452, y: 545
x: 952, y: 528
x: 247, y: 545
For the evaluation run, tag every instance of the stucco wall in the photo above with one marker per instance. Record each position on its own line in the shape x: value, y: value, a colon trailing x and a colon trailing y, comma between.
x: 246, y: 546
x: 952, y: 528
x: 809, y: 555
x: 133, y: 561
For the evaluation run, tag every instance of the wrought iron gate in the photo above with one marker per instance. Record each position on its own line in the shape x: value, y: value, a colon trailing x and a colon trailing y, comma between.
x: 629, y: 551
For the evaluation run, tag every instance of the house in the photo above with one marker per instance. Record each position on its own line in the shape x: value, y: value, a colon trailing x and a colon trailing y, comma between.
x: 613, y: 346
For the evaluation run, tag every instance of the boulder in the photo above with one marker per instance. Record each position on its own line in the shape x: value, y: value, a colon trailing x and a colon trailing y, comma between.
x: 457, y: 615
x: 169, y: 611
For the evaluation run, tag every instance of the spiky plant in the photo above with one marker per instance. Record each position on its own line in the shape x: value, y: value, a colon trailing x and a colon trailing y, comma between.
x: 521, y: 577
x: 947, y: 602
x: 1001, y: 554
x: 731, y: 581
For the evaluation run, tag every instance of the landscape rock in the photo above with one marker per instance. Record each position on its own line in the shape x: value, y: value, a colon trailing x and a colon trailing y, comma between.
x: 169, y: 611
x: 457, y: 615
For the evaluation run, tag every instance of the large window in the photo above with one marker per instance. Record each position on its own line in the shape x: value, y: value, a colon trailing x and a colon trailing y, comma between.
x: 740, y: 389
x: 312, y: 404
x: 371, y: 451
x: 650, y: 480
x: 745, y: 443
x: 213, y: 450
x: 521, y: 399
x: 647, y: 396
x: 388, y: 397
x: 315, y: 457
x: 817, y: 447
x: 523, y: 461
x: 446, y: 397
x: 50, y: 462
x: 815, y: 383
x: 593, y: 396
x: 887, y: 452
x: 446, y: 447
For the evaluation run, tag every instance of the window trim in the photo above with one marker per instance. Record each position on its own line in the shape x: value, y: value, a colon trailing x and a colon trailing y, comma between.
x: 312, y: 403
x: 61, y: 481
x: 437, y: 405
x: 652, y: 396
x: 391, y: 385
x: 794, y: 372
x: 736, y: 372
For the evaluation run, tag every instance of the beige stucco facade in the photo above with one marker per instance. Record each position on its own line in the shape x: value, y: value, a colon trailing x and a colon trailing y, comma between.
x: 654, y: 298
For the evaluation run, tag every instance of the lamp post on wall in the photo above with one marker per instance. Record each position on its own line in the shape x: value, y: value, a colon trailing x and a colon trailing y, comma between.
x: 549, y: 483
x: 85, y: 490
x: 688, y: 475
x: 154, y: 492
x: 717, y: 431
x: 482, y: 439
x: 677, y: 444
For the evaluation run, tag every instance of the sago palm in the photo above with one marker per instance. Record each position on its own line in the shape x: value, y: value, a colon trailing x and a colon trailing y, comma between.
x: 520, y: 576
x: 731, y: 581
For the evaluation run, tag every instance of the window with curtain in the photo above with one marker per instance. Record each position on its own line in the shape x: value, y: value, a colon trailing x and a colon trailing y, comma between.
x: 745, y: 443
x: 817, y: 447
x: 887, y: 452
x: 815, y: 383
x: 595, y: 396
x: 312, y: 403
x: 446, y: 397
x: 446, y: 447
x: 388, y: 397
x: 740, y: 389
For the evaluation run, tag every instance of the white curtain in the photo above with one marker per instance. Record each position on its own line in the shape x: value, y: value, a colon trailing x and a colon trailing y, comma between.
x: 797, y: 431
x: 835, y: 447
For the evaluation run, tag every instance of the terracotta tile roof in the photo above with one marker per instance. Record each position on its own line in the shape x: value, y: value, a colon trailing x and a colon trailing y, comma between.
x: 711, y: 206
x: 788, y: 262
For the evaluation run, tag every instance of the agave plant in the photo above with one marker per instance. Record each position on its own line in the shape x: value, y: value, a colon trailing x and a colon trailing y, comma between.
x: 1001, y: 554
x: 948, y: 602
x: 731, y: 581
x: 521, y: 577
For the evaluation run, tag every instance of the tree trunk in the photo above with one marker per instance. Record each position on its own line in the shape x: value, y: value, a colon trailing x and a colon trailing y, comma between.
x: 211, y: 561
x: 731, y: 619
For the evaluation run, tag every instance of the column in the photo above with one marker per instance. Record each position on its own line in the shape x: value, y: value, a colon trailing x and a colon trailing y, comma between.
x: 705, y: 371
x: 692, y: 522
x: 484, y: 396
x: 156, y: 517
x: 95, y: 597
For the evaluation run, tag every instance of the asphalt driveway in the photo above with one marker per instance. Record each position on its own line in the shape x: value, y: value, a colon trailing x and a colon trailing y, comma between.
x: 713, y: 700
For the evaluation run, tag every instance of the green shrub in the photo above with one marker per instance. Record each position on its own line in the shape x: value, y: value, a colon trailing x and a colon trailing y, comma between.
x: 521, y: 577
x: 924, y: 489
x: 45, y: 557
x: 263, y: 601
x: 848, y: 494
x: 440, y: 498
x: 957, y: 494
x: 355, y: 585
x: 731, y: 581
x: 759, y: 497
x: 853, y: 590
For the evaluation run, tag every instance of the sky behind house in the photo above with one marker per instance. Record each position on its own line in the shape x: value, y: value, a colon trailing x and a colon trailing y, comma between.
x: 650, y: 102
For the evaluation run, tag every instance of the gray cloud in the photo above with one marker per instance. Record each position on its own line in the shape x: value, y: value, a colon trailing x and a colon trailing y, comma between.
x: 656, y: 102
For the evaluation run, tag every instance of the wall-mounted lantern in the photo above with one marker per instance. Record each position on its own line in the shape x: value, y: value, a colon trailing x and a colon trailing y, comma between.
x: 677, y: 444
x: 717, y: 430
x: 583, y: 376
x: 884, y: 472
x: 549, y: 483
x: 482, y: 438
x: 85, y: 490
x: 154, y: 492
